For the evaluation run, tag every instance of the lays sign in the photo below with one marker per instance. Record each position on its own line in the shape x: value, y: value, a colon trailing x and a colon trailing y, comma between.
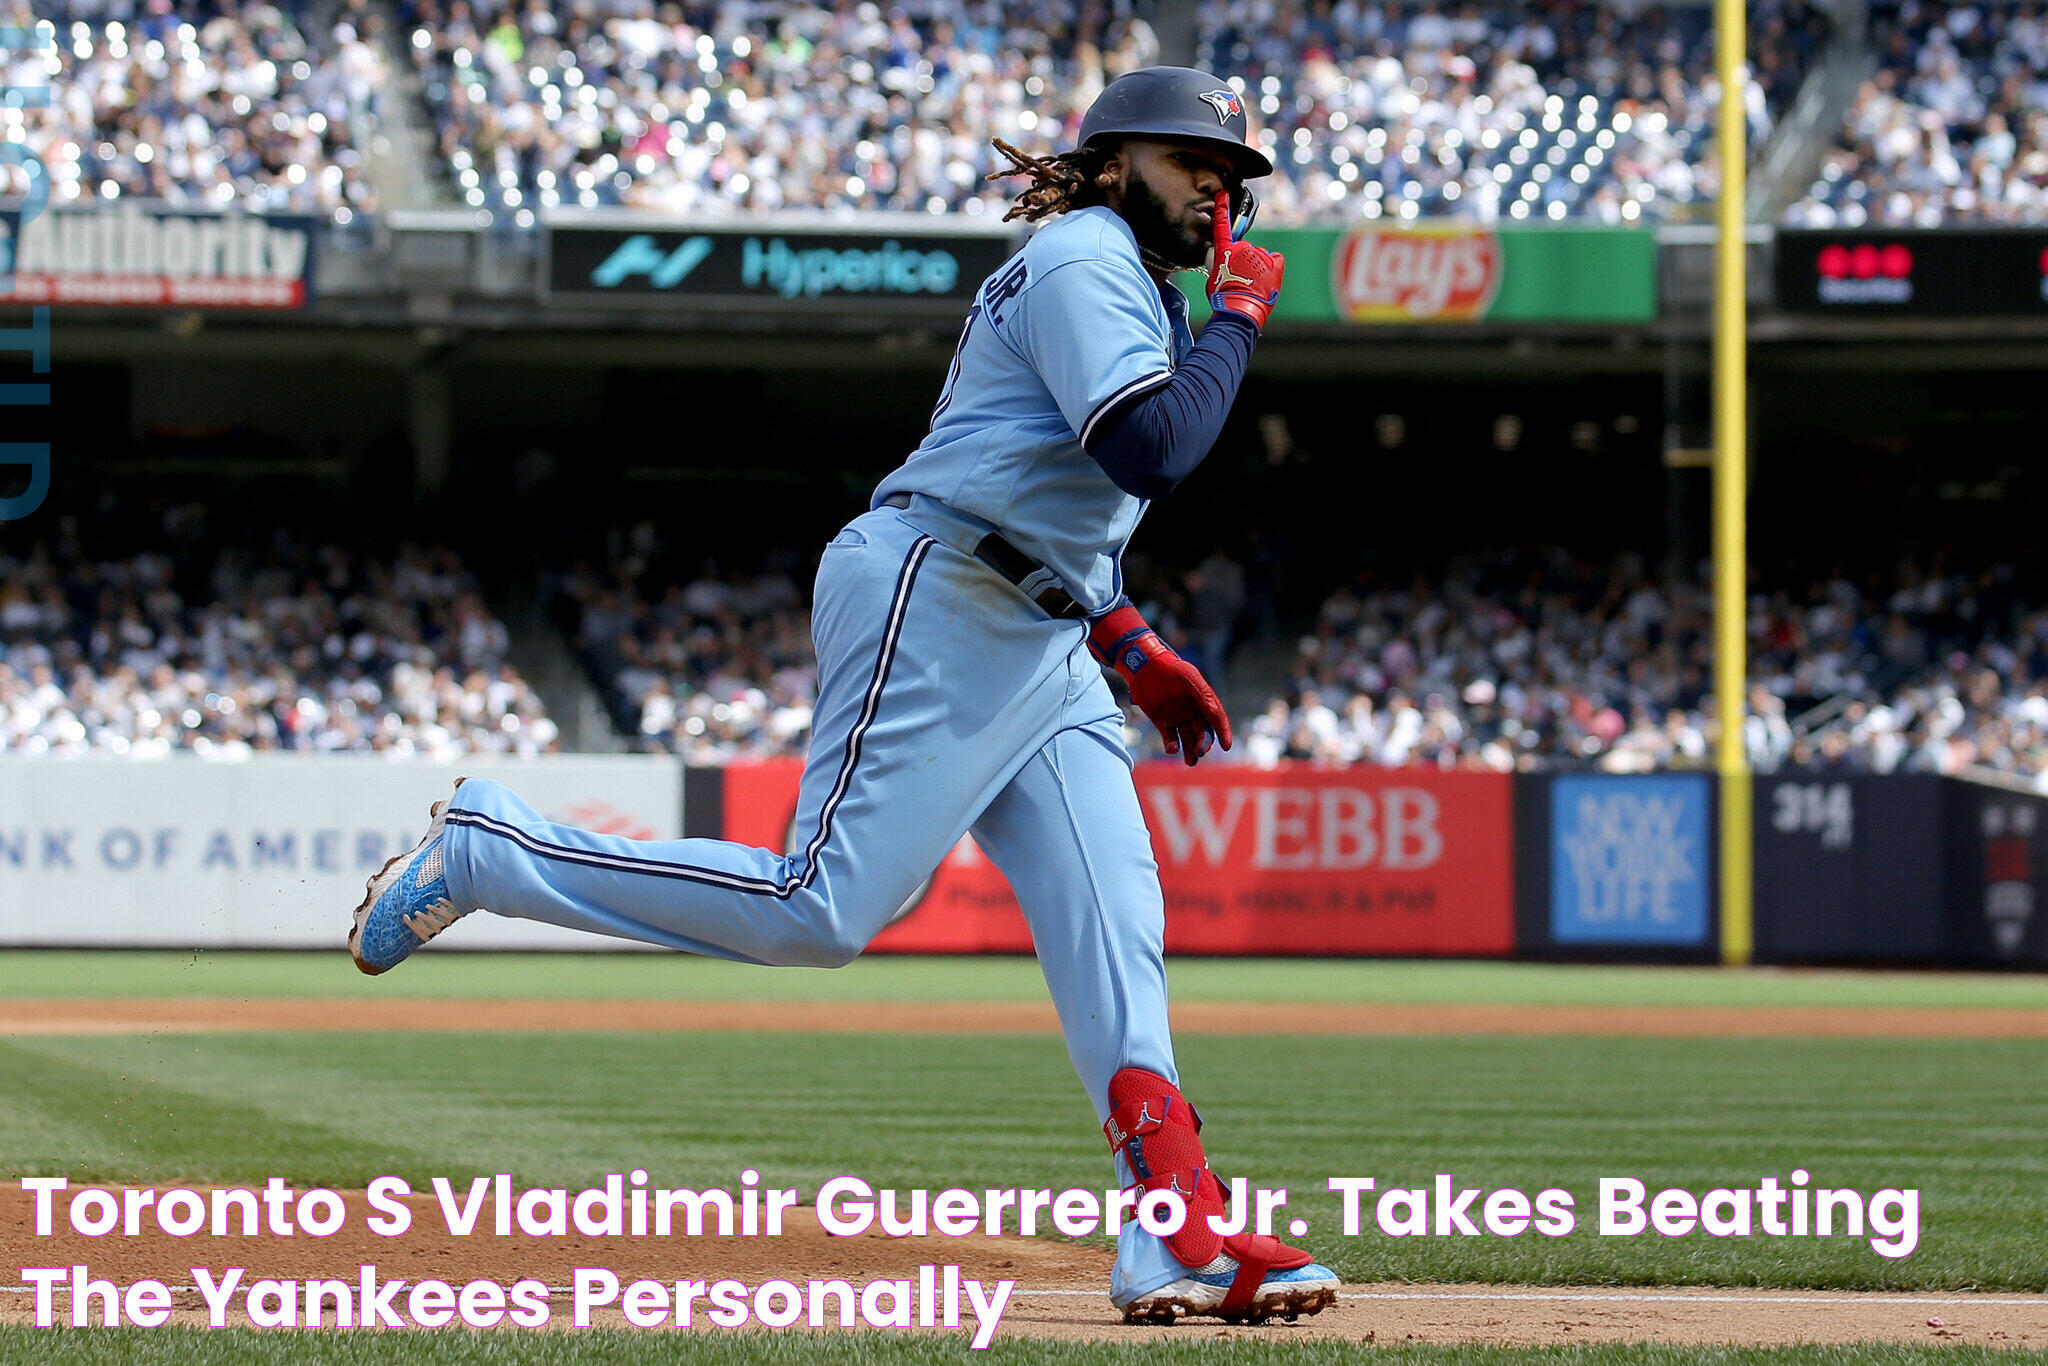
x: 1407, y: 275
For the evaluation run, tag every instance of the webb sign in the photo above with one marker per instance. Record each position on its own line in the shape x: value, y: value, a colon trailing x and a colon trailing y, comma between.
x: 1358, y: 861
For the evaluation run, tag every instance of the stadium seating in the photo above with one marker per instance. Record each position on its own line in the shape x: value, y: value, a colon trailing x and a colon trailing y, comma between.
x: 1947, y: 130
x: 734, y: 108
x: 251, y: 105
x: 713, y: 668
x: 1494, y: 112
x: 1516, y: 665
x: 224, y: 649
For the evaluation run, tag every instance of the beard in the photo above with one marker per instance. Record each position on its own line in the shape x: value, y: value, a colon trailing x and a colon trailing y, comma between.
x: 1163, y: 231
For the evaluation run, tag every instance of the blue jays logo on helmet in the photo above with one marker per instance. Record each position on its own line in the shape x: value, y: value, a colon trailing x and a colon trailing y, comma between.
x: 1162, y: 102
x: 1225, y: 102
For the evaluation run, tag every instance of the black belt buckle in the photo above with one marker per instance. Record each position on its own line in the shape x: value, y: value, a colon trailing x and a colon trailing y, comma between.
x: 1014, y: 565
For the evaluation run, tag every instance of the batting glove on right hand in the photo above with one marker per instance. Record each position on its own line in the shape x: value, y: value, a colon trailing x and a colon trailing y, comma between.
x: 1170, y: 691
x: 1243, y: 279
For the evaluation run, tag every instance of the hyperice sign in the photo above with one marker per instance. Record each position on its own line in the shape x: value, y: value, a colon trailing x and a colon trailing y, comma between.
x: 615, y: 263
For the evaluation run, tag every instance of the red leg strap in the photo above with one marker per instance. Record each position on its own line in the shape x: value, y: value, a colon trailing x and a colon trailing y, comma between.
x: 1256, y: 1254
x: 1158, y: 1134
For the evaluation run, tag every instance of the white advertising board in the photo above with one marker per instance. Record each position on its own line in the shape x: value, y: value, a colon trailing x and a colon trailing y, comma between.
x: 271, y: 852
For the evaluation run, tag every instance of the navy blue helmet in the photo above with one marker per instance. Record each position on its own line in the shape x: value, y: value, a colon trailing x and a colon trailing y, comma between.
x: 1180, y: 104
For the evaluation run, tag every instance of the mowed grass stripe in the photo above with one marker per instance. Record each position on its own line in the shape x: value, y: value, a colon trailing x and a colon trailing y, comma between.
x: 1948, y: 1117
x: 650, y: 976
x: 111, y: 1113
x: 621, y: 1347
x: 566, y: 1109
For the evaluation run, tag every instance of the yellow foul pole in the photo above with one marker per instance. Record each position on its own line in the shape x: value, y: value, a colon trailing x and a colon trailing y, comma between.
x: 1731, y: 480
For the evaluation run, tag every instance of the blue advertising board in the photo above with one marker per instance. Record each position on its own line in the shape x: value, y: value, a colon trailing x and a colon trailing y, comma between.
x: 1630, y: 860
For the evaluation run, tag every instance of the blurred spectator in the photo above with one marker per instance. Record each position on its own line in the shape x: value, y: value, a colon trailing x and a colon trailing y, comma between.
x: 730, y: 107
x: 1951, y: 127
x: 1512, y: 662
x: 1516, y: 664
x: 713, y: 668
x: 222, y: 650
x: 1216, y: 590
x: 1491, y: 111
x: 199, y: 102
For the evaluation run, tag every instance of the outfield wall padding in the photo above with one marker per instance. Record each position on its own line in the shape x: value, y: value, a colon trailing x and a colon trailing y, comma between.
x: 271, y: 851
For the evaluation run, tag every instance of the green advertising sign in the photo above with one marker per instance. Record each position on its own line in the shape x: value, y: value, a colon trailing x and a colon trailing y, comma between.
x: 1459, y: 273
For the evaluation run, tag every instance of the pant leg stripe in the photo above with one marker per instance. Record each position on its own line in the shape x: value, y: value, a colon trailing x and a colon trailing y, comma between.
x: 870, y: 706
x: 618, y: 863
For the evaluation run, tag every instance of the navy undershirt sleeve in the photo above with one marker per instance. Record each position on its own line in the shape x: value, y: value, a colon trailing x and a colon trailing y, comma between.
x: 1155, y: 439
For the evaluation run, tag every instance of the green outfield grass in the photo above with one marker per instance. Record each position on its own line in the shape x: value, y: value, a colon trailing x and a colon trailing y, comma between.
x: 194, y: 1347
x: 1961, y: 1120
x: 615, y: 976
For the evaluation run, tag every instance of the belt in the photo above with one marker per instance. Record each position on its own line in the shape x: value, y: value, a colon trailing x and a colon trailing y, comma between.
x: 1031, y: 578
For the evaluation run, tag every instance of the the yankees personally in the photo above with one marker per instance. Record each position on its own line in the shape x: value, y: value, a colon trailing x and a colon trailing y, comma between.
x: 959, y: 624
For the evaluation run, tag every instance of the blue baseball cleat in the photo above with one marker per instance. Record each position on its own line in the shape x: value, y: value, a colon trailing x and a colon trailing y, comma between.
x: 1287, y: 1294
x: 406, y: 903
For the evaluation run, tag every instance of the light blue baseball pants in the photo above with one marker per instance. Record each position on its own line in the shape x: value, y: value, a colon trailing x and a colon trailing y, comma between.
x: 947, y: 702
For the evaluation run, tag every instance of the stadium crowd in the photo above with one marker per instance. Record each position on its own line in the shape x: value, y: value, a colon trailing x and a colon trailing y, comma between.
x: 1493, y: 111
x: 1951, y: 126
x: 1475, y: 110
x: 1466, y: 108
x: 1513, y: 664
x: 224, y: 650
x: 198, y: 102
x: 1494, y: 664
x: 715, y: 667
x: 1512, y: 661
x: 731, y: 107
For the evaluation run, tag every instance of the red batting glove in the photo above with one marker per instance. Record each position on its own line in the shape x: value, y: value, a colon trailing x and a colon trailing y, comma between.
x: 1170, y: 691
x: 1242, y: 278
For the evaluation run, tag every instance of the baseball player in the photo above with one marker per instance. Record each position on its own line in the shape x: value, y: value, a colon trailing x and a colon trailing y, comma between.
x: 961, y: 626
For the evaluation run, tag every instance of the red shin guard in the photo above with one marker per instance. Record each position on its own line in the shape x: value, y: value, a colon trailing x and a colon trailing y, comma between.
x: 1158, y: 1134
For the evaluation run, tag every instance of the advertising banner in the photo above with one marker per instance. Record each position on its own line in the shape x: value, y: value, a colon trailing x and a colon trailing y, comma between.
x: 1377, y: 275
x: 272, y: 852
x: 1956, y: 272
x: 135, y: 257
x: 1848, y: 868
x: 1631, y: 860
x: 784, y: 266
x: 1998, y: 872
x: 1289, y: 861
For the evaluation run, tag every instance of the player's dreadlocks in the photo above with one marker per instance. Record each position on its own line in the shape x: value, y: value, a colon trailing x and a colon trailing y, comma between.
x: 1059, y: 183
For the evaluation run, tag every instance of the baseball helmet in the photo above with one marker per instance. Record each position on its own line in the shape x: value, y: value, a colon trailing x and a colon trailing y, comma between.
x: 1181, y: 104
x: 1175, y: 103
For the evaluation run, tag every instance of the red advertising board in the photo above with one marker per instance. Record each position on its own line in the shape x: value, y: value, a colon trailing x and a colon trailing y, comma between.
x: 1287, y: 861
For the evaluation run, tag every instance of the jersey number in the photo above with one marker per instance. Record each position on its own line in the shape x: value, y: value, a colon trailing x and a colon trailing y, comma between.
x: 995, y: 296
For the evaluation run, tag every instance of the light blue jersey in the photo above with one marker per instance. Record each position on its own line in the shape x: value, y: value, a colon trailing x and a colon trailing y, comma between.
x: 1068, y: 328
x: 948, y: 703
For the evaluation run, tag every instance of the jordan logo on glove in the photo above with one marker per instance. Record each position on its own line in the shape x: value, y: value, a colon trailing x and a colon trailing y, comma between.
x: 1243, y: 279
